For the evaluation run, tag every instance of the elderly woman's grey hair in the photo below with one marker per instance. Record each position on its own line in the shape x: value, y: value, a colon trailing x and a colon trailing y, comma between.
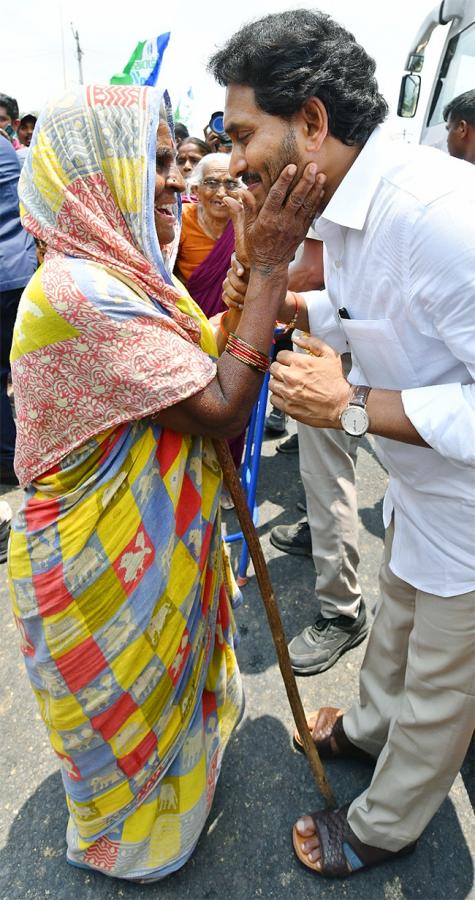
x: 211, y: 159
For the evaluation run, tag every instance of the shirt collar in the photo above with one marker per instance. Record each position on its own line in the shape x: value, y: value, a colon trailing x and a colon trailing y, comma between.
x: 351, y: 201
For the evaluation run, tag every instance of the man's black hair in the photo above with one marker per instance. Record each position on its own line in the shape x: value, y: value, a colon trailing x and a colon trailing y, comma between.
x: 181, y: 131
x: 461, y: 107
x: 10, y: 105
x: 202, y: 146
x: 291, y: 56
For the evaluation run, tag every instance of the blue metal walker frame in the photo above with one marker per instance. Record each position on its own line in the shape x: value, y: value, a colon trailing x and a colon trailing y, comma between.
x: 250, y: 473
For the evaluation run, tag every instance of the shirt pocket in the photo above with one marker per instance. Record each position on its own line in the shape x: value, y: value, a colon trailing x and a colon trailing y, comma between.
x: 378, y: 354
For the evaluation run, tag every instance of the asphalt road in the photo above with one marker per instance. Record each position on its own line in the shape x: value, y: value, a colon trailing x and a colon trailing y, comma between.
x: 245, y: 850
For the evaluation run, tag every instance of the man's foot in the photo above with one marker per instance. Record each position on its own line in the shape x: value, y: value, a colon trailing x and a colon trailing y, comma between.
x: 328, y: 734
x: 318, y: 647
x: 325, y: 843
x: 295, y: 539
x: 290, y: 445
x: 276, y: 421
x: 309, y: 847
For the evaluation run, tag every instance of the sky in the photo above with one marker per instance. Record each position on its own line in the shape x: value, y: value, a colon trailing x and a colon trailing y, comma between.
x: 38, y: 49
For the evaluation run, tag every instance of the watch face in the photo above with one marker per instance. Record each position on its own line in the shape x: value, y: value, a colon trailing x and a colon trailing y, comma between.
x: 354, y: 420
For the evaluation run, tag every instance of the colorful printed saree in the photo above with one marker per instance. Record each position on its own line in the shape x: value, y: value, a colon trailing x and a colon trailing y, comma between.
x: 119, y: 586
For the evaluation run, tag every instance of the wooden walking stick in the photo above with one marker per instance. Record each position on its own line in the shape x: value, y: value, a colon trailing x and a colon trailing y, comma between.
x: 273, y: 615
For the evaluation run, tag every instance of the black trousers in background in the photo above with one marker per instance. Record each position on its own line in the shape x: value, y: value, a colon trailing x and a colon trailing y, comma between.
x: 9, y: 301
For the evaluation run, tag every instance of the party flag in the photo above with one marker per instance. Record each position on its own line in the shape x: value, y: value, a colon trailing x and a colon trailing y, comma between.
x: 144, y: 64
x: 184, y: 108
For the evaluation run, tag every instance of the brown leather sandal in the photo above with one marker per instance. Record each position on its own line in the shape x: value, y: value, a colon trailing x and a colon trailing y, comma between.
x: 326, y: 725
x: 341, y: 852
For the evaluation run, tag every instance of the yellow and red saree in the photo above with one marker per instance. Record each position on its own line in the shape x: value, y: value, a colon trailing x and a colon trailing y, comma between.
x: 115, y: 561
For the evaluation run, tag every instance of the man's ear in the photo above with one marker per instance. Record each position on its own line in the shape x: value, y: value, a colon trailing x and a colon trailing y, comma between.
x: 16, y: 123
x: 315, y: 120
x: 463, y: 128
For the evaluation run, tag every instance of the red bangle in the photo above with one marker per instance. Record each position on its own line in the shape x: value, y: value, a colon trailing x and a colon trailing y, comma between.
x: 247, y: 354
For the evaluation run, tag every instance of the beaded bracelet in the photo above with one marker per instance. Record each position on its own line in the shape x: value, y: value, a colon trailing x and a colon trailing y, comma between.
x: 246, y: 353
x: 293, y: 321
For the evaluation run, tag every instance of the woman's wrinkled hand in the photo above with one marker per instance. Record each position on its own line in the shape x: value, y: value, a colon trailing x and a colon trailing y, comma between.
x: 269, y: 236
x: 235, y: 284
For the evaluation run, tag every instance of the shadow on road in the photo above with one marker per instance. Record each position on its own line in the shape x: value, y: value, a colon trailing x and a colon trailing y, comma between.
x: 245, y: 849
x: 372, y: 518
x: 468, y: 772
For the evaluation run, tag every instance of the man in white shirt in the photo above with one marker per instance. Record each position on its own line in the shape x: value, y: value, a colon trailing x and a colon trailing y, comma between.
x: 398, y: 223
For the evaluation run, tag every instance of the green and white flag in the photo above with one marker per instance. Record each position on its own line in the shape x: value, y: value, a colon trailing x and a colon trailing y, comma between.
x: 144, y: 64
x: 184, y: 109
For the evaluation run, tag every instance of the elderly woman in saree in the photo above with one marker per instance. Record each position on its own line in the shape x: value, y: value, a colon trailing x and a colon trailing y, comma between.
x: 207, y: 234
x: 119, y: 588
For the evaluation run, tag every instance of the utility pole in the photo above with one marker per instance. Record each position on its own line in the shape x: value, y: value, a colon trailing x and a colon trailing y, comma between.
x: 79, y: 52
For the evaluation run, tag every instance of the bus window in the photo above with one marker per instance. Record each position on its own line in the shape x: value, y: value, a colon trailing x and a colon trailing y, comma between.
x: 457, y: 73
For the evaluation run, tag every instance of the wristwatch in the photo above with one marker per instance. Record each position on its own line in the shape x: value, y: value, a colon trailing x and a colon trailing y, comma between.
x: 354, y: 418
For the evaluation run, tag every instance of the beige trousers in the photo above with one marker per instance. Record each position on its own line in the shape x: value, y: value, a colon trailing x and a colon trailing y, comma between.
x: 327, y: 469
x: 416, y: 709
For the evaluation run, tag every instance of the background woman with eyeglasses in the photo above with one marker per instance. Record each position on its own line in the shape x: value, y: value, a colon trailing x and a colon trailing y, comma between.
x: 207, y: 235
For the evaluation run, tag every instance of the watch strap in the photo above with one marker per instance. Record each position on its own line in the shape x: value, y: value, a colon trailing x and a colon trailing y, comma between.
x: 359, y: 395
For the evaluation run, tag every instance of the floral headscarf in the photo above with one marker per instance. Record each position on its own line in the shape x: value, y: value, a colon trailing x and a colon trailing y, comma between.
x: 87, y: 186
x: 100, y: 336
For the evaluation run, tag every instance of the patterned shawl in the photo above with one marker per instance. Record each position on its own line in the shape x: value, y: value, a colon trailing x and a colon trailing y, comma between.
x: 99, y: 338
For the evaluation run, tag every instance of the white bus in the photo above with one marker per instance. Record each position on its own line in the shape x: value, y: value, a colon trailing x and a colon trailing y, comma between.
x: 455, y: 71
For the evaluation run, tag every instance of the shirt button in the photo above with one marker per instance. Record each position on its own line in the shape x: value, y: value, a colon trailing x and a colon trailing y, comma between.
x: 338, y: 264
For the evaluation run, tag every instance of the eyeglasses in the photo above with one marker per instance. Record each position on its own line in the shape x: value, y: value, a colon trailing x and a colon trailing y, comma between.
x: 228, y: 184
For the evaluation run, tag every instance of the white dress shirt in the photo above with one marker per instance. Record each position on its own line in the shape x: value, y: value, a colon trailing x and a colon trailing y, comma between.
x: 399, y: 256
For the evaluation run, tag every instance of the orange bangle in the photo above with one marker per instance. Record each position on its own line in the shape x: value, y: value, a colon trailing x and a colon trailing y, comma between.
x: 221, y: 324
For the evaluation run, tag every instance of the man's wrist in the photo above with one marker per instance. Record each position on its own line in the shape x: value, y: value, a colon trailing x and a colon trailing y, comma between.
x: 354, y: 417
x: 347, y: 393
